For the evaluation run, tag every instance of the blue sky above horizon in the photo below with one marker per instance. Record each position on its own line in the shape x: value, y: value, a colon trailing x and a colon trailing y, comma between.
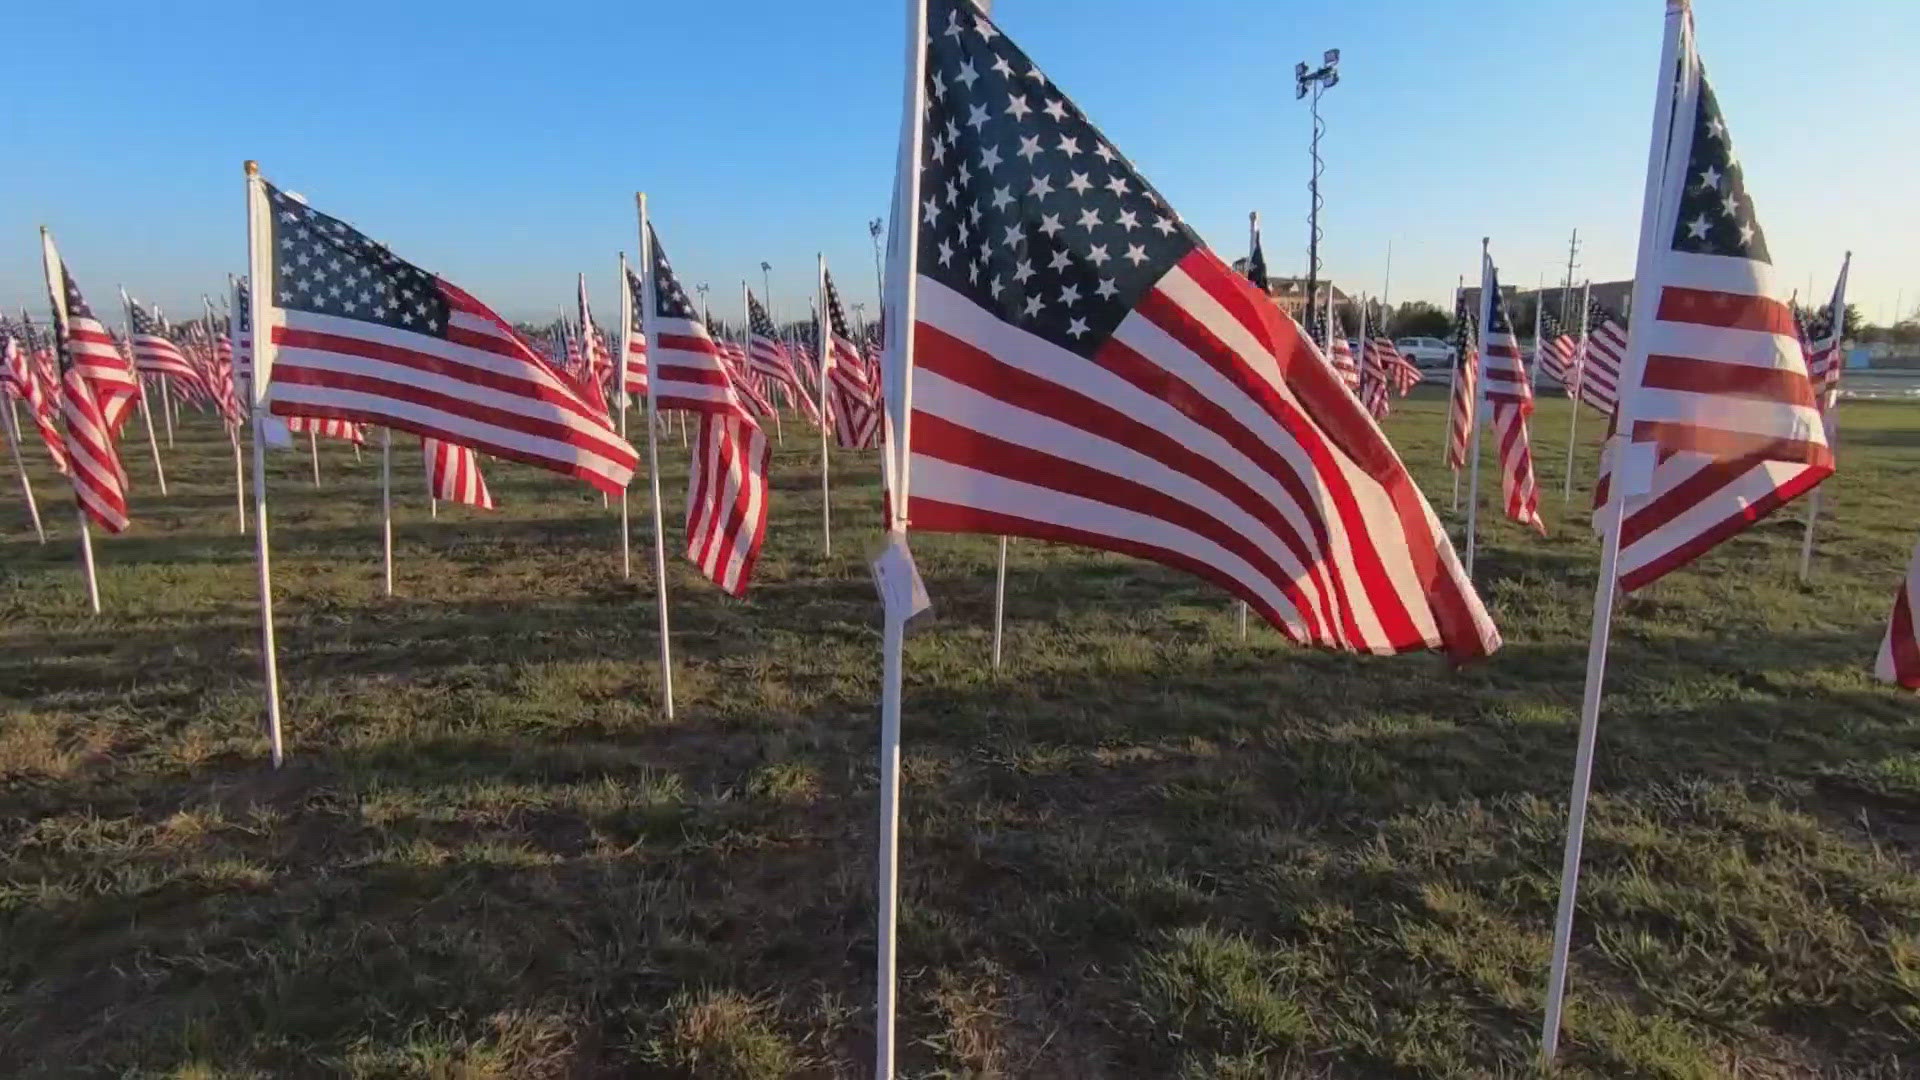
x: 500, y: 145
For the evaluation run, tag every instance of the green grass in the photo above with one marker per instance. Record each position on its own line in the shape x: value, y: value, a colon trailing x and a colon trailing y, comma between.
x: 1144, y: 849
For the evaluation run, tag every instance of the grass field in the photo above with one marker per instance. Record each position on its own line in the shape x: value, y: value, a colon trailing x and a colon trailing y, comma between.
x: 1144, y: 849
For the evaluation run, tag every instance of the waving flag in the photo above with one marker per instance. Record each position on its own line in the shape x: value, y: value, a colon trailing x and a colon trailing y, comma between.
x: 453, y: 473
x: 1383, y: 369
x: 1509, y: 390
x: 596, y: 363
x: 727, y: 475
x: 1087, y: 372
x: 635, y: 368
x: 1554, y: 351
x: 361, y: 335
x: 27, y: 379
x: 1824, y: 332
x: 96, y: 388
x: 851, y: 392
x: 328, y: 427
x: 154, y: 353
x: 1606, y: 343
x: 1466, y: 398
x: 1900, y: 649
x: 1721, y: 422
x: 768, y: 358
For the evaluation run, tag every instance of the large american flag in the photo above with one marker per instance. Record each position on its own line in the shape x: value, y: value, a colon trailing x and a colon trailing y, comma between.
x: 1899, y: 660
x: 361, y: 335
x: 453, y: 473
x: 1466, y: 399
x: 1715, y: 402
x: 1598, y: 379
x: 1086, y: 371
x: 96, y: 390
x: 1509, y: 390
x: 154, y: 352
x: 852, y: 395
x: 727, y: 485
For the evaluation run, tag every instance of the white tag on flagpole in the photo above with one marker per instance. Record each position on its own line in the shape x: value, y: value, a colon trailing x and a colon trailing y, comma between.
x: 275, y: 431
x: 902, y: 593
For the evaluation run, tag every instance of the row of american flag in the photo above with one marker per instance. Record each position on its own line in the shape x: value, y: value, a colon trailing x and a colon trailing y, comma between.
x: 1062, y: 358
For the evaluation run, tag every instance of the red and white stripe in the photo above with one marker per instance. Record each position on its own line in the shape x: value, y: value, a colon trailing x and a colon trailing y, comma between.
x: 1598, y: 378
x: 1509, y: 391
x: 156, y: 354
x: 636, y: 366
x: 1899, y: 660
x: 1340, y: 354
x: 327, y: 427
x: 727, y: 484
x: 1824, y: 358
x: 595, y: 371
x: 727, y: 499
x: 26, y: 379
x: 480, y: 386
x: 1462, y: 408
x: 453, y: 473
x: 99, y: 482
x: 1205, y: 434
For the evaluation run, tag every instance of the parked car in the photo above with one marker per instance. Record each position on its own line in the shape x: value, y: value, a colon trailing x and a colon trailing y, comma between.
x: 1426, y: 352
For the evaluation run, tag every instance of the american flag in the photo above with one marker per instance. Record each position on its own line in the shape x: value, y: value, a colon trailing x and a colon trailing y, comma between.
x: 1326, y: 330
x: 1087, y: 372
x: 453, y: 473
x: 1824, y: 331
x: 1466, y: 371
x: 1509, y: 390
x: 1554, y: 350
x: 1899, y: 660
x: 769, y: 359
x: 225, y: 381
x: 93, y: 374
x: 595, y: 369
x: 27, y: 379
x: 852, y: 396
x: 752, y: 393
x: 1382, y: 368
x: 154, y: 353
x: 1598, y: 378
x: 727, y: 485
x: 636, y: 365
x: 1715, y: 402
x: 327, y: 427
x: 360, y: 335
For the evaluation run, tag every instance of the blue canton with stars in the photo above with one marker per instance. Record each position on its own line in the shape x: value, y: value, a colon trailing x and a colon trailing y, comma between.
x: 636, y: 295
x: 669, y: 299
x: 758, y: 322
x: 1497, y: 321
x: 1716, y: 217
x: 1025, y: 208
x: 836, y: 315
x: 324, y: 266
x: 1464, y: 331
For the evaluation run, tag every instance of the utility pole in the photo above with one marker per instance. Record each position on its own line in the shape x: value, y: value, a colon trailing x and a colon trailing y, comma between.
x: 1319, y: 80
x: 1566, y: 287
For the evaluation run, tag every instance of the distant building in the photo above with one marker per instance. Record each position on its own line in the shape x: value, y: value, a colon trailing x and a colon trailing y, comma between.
x: 1615, y: 296
x: 1290, y: 293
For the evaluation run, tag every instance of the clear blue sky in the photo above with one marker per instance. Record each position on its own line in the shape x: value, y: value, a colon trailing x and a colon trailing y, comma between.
x: 500, y: 144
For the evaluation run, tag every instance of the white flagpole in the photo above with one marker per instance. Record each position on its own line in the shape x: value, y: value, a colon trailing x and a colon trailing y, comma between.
x: 620, y: 383
x: 653, y: 454
x: 823, y: 334
x: 1837, y: 316
x: 233, y: 431
x: 1446, y: 414
x: 146, y: 414
x: 313, y: 452
x: 1579, y: 391
x: 1479, y: 396
x: 262, y: 345
x: 999, y: 603
x: 897, y: 385
x: 386, y: 507
x: 166, y: 408
x: 1659, y: 166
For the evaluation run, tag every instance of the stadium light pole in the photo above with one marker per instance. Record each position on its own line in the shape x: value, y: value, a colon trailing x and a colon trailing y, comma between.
x: 766, y: 286
x: 1318, y: 80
